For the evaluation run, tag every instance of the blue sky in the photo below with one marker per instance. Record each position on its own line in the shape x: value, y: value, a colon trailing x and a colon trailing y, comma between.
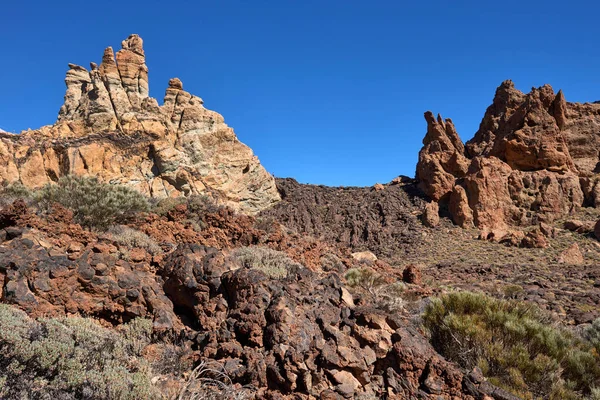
x: 328, y: 92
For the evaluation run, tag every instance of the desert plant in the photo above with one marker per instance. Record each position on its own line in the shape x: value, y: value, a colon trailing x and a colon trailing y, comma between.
x: 199, y: 205
x: 95, y: 205
x: 592, y: 333
x: 514, y: 343
x: 365, y: 278
x: 331, y: 262
x: 209, y: 381
x: 383, y: 295
x: 274, y: 264
x: 164, y: 206
x: 73, y: 357
x: 130, y: 237
x: 10, y: 192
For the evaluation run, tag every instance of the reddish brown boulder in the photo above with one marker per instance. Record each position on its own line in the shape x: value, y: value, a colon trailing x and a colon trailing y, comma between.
x: 431, y: 214
x: 412, y: 274
x: 534, y: 240
x: 578, y: 226
x: 597, y: 230
x: 462, y: 214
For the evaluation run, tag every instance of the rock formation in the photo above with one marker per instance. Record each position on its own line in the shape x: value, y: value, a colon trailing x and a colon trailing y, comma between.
x: 533, y: 159
x: 109, y: 127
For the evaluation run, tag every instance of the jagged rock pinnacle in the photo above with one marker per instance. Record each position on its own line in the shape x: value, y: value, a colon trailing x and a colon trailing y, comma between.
x: 180, y: 148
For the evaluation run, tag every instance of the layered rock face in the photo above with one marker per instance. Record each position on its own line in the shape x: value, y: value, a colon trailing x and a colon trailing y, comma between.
x: 109, y: 127
x: 533, y: 159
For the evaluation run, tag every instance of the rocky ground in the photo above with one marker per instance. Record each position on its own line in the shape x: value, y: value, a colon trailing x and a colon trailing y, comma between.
x: 389, y: 218
x: 305, y: 332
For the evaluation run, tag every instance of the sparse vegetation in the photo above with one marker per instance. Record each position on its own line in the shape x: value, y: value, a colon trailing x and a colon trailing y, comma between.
x: 331, y: 262
x: 515, y: 345
x: 209, y: 381
x: 95, y: 205
x: 384, y: 295
x: 130, y: 237
x: 73, y: 357
x: 196, y: 208
x: 592, y: 333
x: 10, y: 192
x: 274, y: 264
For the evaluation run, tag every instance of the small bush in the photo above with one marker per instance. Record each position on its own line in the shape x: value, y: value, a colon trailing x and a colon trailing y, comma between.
x: 9, y: 192
x: 331, y: 262
x: 200, y: 205
x: 72, y: 357
x: 95, y: 205
x: 130, y: 237
x: 514, y: 344
x: 383, y: 295
x: 164, y: 206
x: 365, y: 278
x: 592, y: 333
x: 209, y: 381
x: 274, y: 264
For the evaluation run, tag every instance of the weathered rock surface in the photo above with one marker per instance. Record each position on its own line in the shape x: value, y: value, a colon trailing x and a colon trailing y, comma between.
x: 362, y: 218
x: 532, y: 160
x: 299, y: 337
x: 109, y: 127
x: 277, y: 335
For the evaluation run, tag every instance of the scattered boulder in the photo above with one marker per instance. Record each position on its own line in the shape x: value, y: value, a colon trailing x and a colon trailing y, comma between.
x: 534, y: 240
x: 364, y: 256
x: 378, y: 187
x: 412, y: 274
x: 578, y: 226
x: 597, y: 230
x: 571, y: 255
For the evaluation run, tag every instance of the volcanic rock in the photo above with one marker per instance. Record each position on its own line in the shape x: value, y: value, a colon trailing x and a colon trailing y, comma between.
x: 361, y: 218
x: 431, y: 215
x: 571, y: 256
x: 532, y: 160
x: 109, y: 127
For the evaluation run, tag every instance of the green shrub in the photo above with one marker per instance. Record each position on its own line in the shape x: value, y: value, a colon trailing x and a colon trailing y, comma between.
x: 514, y: 344
x: 95, y: 205
x: 72, y: 357
x: 592, y: 333
x: 164, y: 206
x: 331, y: 262
x: 130, y: 237
x: 274, y: 264
x: 9, y: 192
x: 196, y: 209
x: 365, y: 278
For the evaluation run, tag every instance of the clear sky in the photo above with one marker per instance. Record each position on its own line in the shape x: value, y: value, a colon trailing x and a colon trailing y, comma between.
x: 325, y: 91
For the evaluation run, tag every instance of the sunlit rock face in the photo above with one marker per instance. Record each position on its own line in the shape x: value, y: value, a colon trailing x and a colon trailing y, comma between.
x: 534, y: 158
x: 109, y: 127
